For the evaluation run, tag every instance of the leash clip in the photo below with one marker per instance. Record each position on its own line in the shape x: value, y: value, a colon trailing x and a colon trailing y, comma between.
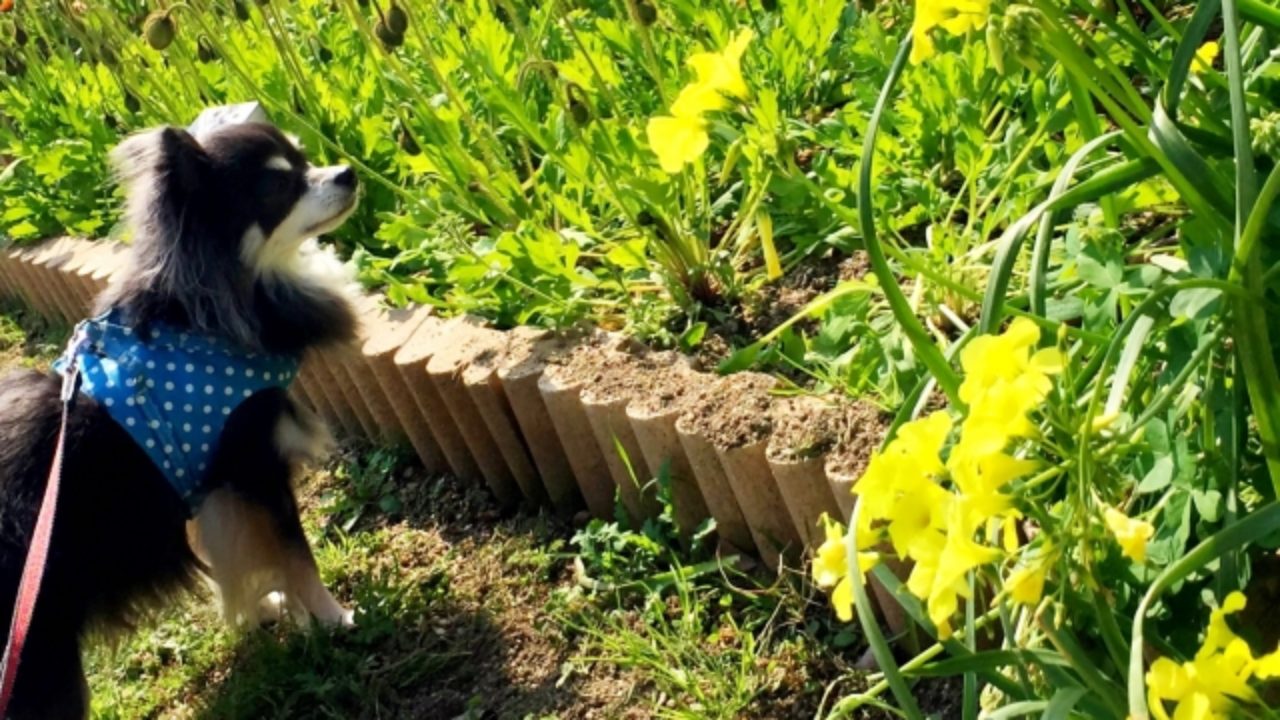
x: 71, y: 365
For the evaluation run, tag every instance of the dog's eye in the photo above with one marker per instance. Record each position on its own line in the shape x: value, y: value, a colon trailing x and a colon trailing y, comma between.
x: 277, y: 181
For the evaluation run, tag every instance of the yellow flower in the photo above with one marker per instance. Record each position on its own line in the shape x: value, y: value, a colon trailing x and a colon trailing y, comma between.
x: 1205, y: 55
x: 1026, y: 585
x: 1009, y: 532
x: 1209, y: 685
x: 955, y: 16
x: 722, y: 71
x: 831, y: 567
x: 918, y: 520
x: 680, y: 138
x: 1268, y: 666
x: 960, y: 554
x: 911, y: 458
x: 920, y: 583
x: 695, y: 100
x: 985, y: 475
x: 926, y: 437
x: 1006, y: 359
x: 678, y: 141
x: 830, y: 561
x: 1219, y: 634
x: 903, y: 490
x: 1131, y: 534
x: 842, y: 599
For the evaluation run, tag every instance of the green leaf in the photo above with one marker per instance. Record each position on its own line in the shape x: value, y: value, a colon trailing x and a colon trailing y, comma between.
x: 692, y: 338
x: 740, y: 360
x: 1159, y: 477
x: 1173, y: 531
x: 1063, y: 702
x: 1099, y: 270
x: 628, y: 255
x: 1194, y: 304
x: 988, y: 660
x: 1208, y: 503
x: 1017, y: 709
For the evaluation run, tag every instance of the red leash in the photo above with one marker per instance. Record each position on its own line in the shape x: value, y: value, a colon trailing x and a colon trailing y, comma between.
x: 37, y: 556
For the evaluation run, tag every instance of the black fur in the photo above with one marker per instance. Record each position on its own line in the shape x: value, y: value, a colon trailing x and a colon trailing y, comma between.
x: 119, y: 544
x: 194, y: 206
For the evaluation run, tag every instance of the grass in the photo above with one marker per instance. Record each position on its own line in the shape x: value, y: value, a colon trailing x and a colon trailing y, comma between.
x: 465, y: 613
x: 27, y: 340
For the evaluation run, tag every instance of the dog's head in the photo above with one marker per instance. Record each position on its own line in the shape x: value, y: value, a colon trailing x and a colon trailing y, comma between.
x: 246, y: 189
x: 212, y: 218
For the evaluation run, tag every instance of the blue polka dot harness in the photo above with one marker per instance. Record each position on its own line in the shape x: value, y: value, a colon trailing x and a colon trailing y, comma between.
x: 172, y: 390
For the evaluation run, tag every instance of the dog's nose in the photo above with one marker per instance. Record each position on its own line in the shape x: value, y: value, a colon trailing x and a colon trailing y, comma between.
x: 346, y: 177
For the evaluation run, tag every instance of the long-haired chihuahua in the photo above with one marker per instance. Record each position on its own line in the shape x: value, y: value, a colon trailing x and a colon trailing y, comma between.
x: 182, y: 439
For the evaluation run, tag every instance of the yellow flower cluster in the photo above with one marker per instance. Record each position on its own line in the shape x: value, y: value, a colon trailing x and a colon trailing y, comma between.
x: 680, y: 138
x: 955, y: 16
x: 1207, y: 686
x: 903, y: 490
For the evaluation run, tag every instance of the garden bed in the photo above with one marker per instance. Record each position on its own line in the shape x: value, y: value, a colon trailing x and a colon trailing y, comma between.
x: 446, y: 387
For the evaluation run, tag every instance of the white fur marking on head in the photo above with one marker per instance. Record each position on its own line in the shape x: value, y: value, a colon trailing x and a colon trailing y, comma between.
x: 279, y: 162
x: 291, y: 251
x: 251, y: 245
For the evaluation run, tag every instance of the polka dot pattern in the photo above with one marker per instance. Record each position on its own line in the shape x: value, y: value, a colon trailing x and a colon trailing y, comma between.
x: 171, y: 391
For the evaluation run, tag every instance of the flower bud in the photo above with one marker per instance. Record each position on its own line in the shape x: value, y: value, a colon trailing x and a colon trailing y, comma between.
x: 646, y: 14
x: 160, y: 30
x: 205, y: 52
x: 1022, y: 35
x: 391, y: 40
x: 1266, y: 135
x: 397, y: 19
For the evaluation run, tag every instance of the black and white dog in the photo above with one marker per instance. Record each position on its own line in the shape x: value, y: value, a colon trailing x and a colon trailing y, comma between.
x: 222, y: 272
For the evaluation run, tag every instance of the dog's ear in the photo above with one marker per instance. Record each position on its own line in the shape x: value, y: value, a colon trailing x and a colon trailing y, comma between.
x: 183, y: 156
x: 168, y: 151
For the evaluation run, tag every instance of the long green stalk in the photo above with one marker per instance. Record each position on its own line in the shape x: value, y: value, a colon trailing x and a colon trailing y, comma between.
x: 871, y: 629
x: 1262, y: 378
x: 915, y: 331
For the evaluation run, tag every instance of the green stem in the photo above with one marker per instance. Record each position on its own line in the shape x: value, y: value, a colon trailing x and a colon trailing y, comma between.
x: 911, y: 326
x: 969, y: 702
x: 1246, y: 175
x: 870, y: 628
x: 1092, y: 127
x: 1262, y: 378
x: 1167, y: 393
x: 650, y: 52
x: 1011, y: 242
x: 1260, y: 12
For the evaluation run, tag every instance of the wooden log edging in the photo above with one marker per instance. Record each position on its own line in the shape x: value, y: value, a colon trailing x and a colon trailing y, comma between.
x: 495, y: 407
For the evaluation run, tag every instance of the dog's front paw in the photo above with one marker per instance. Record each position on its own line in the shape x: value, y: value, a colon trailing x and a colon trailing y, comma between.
x: 272, y: 609
x: 340, y: 617
x: 348, y: 618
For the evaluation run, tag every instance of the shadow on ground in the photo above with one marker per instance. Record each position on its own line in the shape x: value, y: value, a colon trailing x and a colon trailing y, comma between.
x: 450, y: 597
